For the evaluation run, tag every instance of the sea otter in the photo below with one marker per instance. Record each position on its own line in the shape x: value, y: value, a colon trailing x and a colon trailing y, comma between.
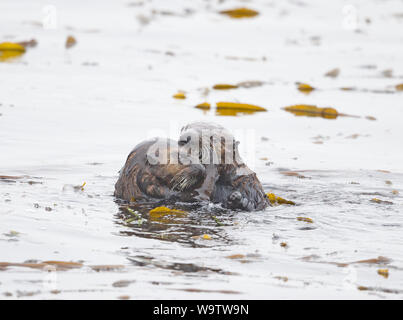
x: 232, y: 183
x: 204, y: 165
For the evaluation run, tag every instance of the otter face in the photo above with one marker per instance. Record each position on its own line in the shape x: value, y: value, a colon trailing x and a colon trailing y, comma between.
x: 208, y: 143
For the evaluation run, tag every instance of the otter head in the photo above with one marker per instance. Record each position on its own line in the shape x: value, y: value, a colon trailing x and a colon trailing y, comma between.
x: 209, y: 143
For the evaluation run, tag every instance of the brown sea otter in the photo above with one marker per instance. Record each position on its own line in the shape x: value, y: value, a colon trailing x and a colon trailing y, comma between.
x: 232, y: 183
x: 204, y: 165
x: 153, y: 170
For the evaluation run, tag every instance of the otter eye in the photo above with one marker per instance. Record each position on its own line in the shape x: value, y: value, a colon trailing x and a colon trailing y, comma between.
x: 183, y: 141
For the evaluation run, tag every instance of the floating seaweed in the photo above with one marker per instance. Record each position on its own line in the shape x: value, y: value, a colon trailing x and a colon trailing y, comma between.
x: 203, y: 106
x: 236, y: 256
x: 376, y: 200
x: 305, y: 219
x: 305, y: 88
x: 232, y: 112
x: 313, y: 111
x: 223, y: 86
x: 166, y: 215
x: 233, y: 108
x: 240, y: 13
x: 179, y: 95
x: 29, y: 43
x: 11, y: 46
x: 70, y: 42
x: 239, y: 106
x: 165, y: 210
x: 384, y: 273
x: 334, y: 73
x: 278, y: 200
x: 136, y: 217
x: 45, y: 265
x: 10, y: 51
x: 293, y: 174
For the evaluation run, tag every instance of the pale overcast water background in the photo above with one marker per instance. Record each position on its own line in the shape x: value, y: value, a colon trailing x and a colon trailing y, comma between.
x: 69, y: 116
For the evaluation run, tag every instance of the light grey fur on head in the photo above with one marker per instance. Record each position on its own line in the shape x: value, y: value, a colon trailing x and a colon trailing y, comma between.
x: 199, y: 129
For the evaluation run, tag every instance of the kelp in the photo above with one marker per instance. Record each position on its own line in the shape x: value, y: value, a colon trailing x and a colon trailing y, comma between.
x: 231, y: 108
x: 384, y: 273
x: 305, y: 88
x: 179, y: 95
x: 10, y: 51
x: 11, y: 46
x: 232, y: 112
x: 334, y: 73
x: 238, y: 106
x: 217, y: 221
x: 236, y: 256
x: 165, y: 210
x: 136, y: 217
x: 379, y: 201
x: 203, y: 106
x: 293, y: 174
x: 166, y: 215
x: 240, y: 13
x: 223, y: 86
x: 305, y: 219
x: 275, y: 200
x: 313, y: 111
x: 70, y: 42
x: 45, y: 265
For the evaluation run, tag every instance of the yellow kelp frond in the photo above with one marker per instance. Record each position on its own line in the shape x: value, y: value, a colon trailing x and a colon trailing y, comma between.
x: 278, y: 200
x: 240, y: 13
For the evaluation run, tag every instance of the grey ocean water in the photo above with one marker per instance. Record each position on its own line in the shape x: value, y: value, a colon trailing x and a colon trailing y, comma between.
x: 72, y: 116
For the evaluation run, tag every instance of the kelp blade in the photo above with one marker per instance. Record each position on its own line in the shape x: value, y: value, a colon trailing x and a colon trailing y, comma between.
x: 223, y: 86
x: 10, y: 51
x: 312, y: 111
x: 239, y: 106
x: 203, y: 106
x: 240, y: 13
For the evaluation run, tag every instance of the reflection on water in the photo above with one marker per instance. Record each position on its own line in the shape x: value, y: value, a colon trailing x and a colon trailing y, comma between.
x: 144, y: 261
x: 340, y: 227
x: 186, y: 226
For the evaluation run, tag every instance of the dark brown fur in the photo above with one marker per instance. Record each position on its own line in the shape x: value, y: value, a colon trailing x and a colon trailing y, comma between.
x: 233, y: 185
x: 141, y: 180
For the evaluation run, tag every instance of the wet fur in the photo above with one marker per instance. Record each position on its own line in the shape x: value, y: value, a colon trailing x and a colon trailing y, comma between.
x: 144, y: 181
x: 233, y: 185
x: 239, y: 191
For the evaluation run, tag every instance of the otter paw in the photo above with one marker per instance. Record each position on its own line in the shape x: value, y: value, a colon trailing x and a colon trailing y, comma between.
x: 235, y: 197
x: 237, y: 201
